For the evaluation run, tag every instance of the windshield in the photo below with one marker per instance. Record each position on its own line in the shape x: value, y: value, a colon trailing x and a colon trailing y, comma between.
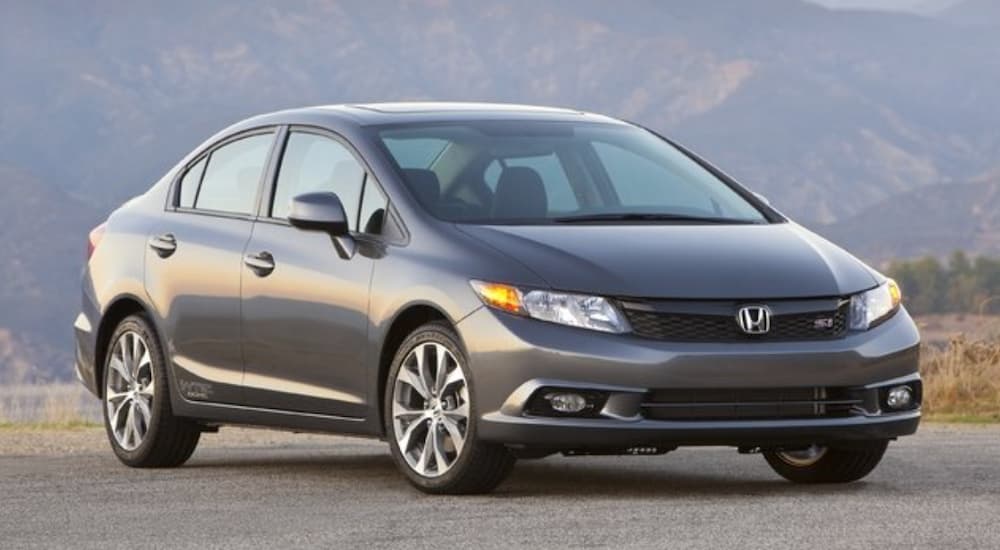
x: 502, y: 172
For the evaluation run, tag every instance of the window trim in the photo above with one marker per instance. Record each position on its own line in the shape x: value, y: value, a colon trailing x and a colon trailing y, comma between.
x: 174, y: 194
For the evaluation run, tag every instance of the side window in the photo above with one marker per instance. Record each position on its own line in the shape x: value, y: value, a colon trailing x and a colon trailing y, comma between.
x: 557, y: 187
x: 190, y: 183
x: 640, y: 182
x: 373, y: 208
x: 316, y: 163
x: 233, y: 175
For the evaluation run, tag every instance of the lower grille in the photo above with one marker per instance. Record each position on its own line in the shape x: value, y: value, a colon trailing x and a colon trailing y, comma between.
x: 751, y: 404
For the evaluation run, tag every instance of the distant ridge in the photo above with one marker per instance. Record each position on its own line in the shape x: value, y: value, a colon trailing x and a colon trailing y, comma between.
x: 931, y: 221
x: 860, y: 123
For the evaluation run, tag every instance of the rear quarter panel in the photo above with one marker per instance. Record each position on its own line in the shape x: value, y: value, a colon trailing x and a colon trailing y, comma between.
x: 117, y: 268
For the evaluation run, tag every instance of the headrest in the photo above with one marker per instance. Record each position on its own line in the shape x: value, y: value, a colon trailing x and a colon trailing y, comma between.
x: 425, y: 185
x: 520, y: 194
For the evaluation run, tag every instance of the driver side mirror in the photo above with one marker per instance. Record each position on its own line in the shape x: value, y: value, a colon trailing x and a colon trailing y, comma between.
x: 323, y: 212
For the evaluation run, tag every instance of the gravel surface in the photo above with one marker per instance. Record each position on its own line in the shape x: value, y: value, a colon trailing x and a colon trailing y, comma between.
x: 253, y: 488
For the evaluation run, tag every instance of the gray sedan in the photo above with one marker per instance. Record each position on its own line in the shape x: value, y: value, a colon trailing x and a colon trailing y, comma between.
x: 481, y: 283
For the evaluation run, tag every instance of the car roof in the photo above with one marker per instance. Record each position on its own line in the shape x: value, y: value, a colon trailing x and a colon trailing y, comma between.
x: 369, y: 114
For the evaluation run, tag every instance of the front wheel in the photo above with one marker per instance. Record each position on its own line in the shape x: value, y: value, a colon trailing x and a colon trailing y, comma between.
x: 430, y: 418
x: 819, y: 464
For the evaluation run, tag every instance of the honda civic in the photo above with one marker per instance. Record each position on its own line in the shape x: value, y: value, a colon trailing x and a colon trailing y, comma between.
x: 477, y: 284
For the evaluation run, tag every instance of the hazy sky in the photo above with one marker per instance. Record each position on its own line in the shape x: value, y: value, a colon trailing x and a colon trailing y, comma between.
x: 917, y: 6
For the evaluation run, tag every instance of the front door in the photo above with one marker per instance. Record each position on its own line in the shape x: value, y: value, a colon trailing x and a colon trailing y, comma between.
x: 305, y: 309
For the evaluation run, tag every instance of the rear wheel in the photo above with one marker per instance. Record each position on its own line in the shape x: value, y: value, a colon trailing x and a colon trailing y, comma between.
x: 819, y: 464
x: 137, y: 417
x: 430, y: 418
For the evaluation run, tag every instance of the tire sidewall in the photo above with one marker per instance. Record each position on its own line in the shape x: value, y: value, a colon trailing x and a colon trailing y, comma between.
x: 444, y: 335
x: 139, y: 325
x: 830, y: 467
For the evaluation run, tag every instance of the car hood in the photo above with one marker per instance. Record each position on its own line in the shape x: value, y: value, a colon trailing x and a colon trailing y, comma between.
x: 782, y: 260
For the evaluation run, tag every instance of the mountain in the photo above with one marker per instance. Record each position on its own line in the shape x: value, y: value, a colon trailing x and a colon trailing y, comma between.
x: 922, y: 7
x: 804, y: 103
x: 928, y: 221
x: 977, y: 13
x: 826, y: 112
x: 44, y: 243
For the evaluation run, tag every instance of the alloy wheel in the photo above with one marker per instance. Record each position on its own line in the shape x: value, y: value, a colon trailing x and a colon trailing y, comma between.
x: 430, y: 409
x: 128, y: 394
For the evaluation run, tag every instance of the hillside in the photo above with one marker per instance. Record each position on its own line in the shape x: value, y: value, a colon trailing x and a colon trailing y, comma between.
x: 979, y: 13
x: 931, y: 221
x: 44, y: 243
x: 922, y: 7
x: 804, y: 103
x: 826, y: 112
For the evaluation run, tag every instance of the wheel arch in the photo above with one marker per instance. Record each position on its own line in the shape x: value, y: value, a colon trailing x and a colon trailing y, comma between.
x: 403, y: 324
x: 120, y: 308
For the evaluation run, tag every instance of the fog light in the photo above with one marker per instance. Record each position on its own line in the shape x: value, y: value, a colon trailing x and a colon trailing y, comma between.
x: 566, y: 402
x: 900, y: 397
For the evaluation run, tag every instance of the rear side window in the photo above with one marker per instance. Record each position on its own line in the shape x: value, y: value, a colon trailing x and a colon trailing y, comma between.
x: 190, y: 183
x: 313, y: 163
x: 233, y: 175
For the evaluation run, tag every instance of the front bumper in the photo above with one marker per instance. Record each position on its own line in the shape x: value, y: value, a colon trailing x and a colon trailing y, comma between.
x: 567, y: 433
x: 511, y: 356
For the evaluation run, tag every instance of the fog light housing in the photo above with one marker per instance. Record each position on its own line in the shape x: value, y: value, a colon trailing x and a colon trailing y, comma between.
x: 899, y: 398
x: 554, y: 401
x: 566, y: 402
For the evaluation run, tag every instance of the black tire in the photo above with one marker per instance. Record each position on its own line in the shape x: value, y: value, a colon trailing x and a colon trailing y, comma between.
x: 836, y: 465
x: 169, y: 441
x: 480, y: 467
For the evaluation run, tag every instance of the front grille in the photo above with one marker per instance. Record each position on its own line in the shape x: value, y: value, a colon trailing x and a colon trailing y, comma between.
x: 723, y: 327
x: 751, y: 404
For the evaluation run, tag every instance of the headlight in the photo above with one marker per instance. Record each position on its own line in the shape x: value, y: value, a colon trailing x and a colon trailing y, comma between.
x: 874, y: 306
x: 575, y: 310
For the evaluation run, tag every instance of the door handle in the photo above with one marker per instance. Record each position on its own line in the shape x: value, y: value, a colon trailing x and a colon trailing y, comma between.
x: 164, y: 245
x: 262, y: 264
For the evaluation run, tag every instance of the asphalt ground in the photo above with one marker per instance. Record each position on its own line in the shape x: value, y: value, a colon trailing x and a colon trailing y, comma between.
x: 253, y: 488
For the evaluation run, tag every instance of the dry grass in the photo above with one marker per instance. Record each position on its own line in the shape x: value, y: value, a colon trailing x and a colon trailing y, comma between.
x: 961, y: 384
x: 56, y: 405
x: 962, y: 381
x: 940, y: 329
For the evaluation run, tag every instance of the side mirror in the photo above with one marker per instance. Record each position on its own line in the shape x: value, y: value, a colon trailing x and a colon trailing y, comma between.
x: 319, y: 212
x: 324, y: 212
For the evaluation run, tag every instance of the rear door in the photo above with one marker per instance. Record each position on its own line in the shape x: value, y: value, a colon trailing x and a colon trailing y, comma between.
x: 195, y: 260
x: 305, y: 320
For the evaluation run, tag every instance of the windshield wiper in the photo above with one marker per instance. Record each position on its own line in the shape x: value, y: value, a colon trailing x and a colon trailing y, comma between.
x: 641, y: 217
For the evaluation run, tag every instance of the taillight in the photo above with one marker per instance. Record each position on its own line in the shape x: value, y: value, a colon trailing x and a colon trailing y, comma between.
x: 94, y: 239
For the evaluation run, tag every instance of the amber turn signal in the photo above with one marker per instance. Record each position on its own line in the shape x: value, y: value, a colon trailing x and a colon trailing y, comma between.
x: 504, y: 297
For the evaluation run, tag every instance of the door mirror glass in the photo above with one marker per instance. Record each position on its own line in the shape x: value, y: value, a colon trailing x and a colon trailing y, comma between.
x: 320, y: 211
